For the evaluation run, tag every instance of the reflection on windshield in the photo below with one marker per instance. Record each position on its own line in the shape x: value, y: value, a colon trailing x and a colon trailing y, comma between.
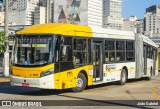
x: 34, y: 50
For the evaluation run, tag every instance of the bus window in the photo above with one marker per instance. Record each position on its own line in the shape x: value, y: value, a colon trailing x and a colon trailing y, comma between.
x: 120, y: 51
x: 150, y: 52
x: 64, y: 51
x: 80, y: 51
x: 129, y: 51
x: 109, y: 51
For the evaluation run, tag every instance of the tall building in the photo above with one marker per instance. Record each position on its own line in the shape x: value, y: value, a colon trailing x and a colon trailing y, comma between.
x: 133, y: 24
x: 21, y: 11
x: 39, y: 15
x: 43, y: 3
x: 130, y: 24
x: 140, y: 26
x: 152, y: 21
x: 112, y: 14
x: 84, y: 12
x: 155, y: 9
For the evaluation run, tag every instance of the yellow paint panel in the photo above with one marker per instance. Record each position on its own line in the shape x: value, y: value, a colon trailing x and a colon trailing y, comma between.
x: 67, y: 79
x: 55, y: 28
x: 28, y: 72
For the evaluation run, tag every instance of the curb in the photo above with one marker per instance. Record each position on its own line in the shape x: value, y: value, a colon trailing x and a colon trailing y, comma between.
x: 3, y: 79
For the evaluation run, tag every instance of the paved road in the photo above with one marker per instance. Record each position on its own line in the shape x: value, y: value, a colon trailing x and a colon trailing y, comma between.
x: 133, y: 90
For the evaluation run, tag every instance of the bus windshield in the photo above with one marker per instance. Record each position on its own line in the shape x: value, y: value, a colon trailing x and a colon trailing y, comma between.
x: 34, y: 50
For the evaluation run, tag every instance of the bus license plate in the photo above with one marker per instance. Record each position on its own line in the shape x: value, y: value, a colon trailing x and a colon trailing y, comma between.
x: 25, y: 84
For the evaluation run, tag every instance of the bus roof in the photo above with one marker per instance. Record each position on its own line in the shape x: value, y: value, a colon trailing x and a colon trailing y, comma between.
x: 112, y: 33
x: 57, y: 28
x: 149, y: 41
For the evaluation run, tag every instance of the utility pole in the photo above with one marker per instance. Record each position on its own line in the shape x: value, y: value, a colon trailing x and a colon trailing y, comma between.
x: 48, y: 10
x: 6, y: 54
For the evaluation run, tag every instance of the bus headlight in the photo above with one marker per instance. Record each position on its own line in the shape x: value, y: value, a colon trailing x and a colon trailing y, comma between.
x: 48, y: 72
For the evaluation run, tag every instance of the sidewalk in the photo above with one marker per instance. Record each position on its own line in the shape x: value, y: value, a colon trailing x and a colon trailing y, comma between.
x: 3, y: 79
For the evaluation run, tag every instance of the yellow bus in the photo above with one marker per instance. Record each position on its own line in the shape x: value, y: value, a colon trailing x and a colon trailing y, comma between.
x: 63, y: 56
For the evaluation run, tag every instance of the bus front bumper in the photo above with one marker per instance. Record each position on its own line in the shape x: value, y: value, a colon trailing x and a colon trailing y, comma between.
x: 46, y: 82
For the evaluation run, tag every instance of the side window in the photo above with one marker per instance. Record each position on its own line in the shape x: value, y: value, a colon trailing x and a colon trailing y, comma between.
x: 151, y: 52
x: 79, y: 51
x: 130, y: 51
x: 109, y: 51
x: 148, y: 51
x: 66, y: 49
x: 120, y: 51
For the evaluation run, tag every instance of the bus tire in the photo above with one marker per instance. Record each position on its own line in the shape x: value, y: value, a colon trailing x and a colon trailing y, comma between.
x: 149, y: 77
x: 81, y: 83
x: 123, y: 78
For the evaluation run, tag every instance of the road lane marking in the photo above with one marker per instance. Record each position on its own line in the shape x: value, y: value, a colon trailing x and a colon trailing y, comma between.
x: 155, y: 92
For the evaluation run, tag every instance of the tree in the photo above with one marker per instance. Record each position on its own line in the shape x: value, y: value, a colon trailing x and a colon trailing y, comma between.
x: 2, y: 41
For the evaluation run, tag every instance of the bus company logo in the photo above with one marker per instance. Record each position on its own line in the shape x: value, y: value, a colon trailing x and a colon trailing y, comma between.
x: 106, y: 67
x: 6, y: 103
x: 110, y: 67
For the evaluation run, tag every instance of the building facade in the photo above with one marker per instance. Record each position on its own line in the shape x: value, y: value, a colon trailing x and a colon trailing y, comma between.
x: 39, y: 15
x: 1, y: 18
x: 43, y: 3
x: 140, y: 26
x: 152, y: 21
x: 84, y: 12
x: 21, y: 12
x: 130, y: 24
x: 112, y: 14
x: 134, y: 25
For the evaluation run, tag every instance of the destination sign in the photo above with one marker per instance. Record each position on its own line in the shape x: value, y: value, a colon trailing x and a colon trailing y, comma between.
x: 33, y: 41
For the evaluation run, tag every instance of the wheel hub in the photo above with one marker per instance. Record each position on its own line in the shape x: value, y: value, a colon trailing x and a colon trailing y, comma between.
x: 123, y: 77
x: 79, y: 82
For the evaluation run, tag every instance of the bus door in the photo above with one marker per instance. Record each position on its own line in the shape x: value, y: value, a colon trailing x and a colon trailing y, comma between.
x: 145, y: 58
x: 97, y: 61
x: 154, y: 61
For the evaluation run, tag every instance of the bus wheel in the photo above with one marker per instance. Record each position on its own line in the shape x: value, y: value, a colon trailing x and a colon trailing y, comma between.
x: 81, y: 83
x: 149, y: 77
x: 123, y: 77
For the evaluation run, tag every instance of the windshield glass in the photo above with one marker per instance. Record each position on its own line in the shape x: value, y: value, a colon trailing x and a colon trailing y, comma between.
x: 34, y: 50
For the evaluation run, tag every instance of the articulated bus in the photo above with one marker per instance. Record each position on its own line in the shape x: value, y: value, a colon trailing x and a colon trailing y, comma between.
x: 67, y: 56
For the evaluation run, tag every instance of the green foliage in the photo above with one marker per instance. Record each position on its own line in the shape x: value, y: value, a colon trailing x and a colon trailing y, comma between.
x: 2, y: 41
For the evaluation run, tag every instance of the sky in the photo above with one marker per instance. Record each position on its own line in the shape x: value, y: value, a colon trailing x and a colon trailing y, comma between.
x: 136, y: 7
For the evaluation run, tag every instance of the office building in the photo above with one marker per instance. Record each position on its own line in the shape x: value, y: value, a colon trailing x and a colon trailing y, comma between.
x: 39, y: 15
x: 133, y: 24
x: 21, y: 11
x: 152, y: 21
x: 112, y: 14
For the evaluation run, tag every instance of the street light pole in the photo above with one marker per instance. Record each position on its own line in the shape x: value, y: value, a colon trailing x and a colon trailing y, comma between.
x: 6, y: 54
x: 48, y: 10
